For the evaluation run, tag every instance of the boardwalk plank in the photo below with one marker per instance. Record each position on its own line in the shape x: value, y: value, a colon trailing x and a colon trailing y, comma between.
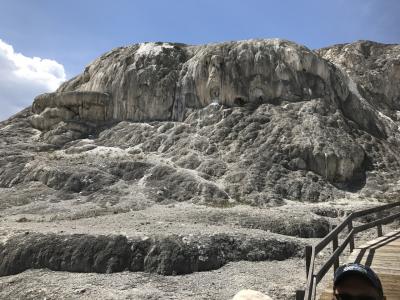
x: 383, y: 256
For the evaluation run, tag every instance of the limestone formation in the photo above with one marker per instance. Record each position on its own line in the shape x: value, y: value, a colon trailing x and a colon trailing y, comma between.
x: 162, y: 81
x: 286, y: 98
x: 195, y: 117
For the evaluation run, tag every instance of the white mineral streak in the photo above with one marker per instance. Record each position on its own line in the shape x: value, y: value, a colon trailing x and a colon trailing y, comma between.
x: 151, y: 49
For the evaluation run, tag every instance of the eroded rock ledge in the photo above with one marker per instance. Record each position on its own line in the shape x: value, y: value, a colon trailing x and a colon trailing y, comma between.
x: 52, y: 108
x: 169, y: 255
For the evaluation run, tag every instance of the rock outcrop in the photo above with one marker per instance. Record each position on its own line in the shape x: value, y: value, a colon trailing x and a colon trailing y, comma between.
x: 192, y: 118
x: 162, y: 81
x: 375, y: 68
x: 277, y: 105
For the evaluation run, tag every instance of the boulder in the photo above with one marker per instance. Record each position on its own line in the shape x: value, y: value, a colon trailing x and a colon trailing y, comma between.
x: 250, y: 295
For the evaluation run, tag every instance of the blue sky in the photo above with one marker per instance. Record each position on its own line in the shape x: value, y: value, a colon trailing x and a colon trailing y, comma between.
x: 74, y: 32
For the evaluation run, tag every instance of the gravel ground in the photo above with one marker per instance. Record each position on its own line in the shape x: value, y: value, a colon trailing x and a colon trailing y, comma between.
x: 279, y: 279
x: 271, y: 277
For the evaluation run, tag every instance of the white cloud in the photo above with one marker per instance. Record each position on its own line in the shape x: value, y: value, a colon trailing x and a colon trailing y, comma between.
x: 22, y: 78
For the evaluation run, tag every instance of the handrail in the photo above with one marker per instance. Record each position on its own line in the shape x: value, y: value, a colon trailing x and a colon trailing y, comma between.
x: 313, y: 277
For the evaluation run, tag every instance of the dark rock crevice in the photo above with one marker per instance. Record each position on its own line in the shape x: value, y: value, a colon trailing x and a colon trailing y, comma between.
x: 170, y: 255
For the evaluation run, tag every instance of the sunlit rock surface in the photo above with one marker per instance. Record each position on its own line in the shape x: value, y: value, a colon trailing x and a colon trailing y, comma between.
x: 161, y: 81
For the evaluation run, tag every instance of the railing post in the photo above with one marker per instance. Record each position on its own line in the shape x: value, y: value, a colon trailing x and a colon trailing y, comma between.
x: 335, y: 245
x: 380, y: 232
x: 308, y: 253
x: 309, y: 293
x: 314, y: 290
x: 351, y: 242
x: 300, y: 294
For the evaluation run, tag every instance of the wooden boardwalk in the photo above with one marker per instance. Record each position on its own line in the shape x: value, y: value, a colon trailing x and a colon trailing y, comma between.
x: 383, y: 256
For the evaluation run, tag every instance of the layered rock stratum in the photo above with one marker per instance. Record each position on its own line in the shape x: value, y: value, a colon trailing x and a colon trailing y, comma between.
x: 172, y: 159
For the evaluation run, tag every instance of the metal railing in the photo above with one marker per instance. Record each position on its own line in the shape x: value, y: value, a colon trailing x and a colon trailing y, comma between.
x: 315, y: 276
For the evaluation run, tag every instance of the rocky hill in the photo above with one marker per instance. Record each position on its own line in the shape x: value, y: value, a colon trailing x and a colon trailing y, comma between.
x: 171, y: 159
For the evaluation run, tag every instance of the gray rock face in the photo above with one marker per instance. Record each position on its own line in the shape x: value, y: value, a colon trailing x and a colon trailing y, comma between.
x: 375, y: 68
x: 161, y: 81
x: 51, y: 109
x: 250, y: 121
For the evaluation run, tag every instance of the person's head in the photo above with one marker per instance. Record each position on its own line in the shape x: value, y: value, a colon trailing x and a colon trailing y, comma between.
x: 356, y: 282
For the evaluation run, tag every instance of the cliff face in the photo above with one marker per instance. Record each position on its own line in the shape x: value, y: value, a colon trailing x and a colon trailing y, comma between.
x: 159, y: 81
x: 375, y: 68
x: 268, y: 105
